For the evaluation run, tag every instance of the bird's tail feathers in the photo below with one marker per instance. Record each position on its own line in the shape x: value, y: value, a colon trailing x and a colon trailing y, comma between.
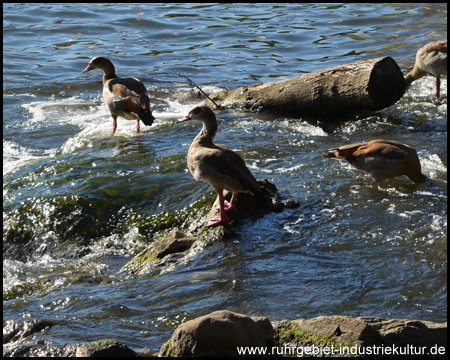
x: 147, y: 118
x: 330, y: 154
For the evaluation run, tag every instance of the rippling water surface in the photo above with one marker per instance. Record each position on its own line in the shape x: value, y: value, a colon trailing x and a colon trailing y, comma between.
x: 78, y: 203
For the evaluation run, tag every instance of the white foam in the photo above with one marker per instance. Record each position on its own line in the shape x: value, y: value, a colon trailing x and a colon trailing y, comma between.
x: 301, y: 127
x: 93, y: 120
x: 15, y: 155
x: 432, y: 165
x: 73, y: 111
x: 426, y: 87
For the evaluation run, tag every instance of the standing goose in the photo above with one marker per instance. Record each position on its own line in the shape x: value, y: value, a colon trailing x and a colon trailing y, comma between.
x: 430, y: 59
x: 125, y: 97
x: 216, y: 164
x: 381, y: 158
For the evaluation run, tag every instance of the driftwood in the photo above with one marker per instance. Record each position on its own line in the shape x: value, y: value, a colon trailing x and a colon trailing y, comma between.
x: 371, y: 84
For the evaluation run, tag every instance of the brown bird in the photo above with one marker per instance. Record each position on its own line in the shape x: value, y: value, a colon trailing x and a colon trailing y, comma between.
x: 216, y: 164
x: 381, y: 158
x: 125, y: 97
x: 430, y: 59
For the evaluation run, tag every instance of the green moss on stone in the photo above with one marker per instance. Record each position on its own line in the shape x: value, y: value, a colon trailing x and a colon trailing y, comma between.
x: 141, y: 261
x: 289, y: 333
x: 165, y: 349
x: 162, y: 223
x: 101, y: 344
x: 104, y: 348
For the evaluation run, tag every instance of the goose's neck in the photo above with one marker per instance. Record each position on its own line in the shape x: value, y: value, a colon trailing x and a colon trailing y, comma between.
x: 208, y: 132
x: 109, y: 72
x: 414, y: 74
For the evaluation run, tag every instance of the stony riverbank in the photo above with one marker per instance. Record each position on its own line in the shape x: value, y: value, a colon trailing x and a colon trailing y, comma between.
x: 226, y: 333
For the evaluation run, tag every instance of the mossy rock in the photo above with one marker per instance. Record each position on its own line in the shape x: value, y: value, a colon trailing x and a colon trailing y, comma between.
x: 176, y: 242
x: 285, y: 332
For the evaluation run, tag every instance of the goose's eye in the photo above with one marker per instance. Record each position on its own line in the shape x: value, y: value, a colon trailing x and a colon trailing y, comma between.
x: 196, y: 111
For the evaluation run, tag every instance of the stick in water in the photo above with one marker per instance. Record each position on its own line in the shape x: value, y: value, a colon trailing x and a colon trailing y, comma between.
x: 199, y: 88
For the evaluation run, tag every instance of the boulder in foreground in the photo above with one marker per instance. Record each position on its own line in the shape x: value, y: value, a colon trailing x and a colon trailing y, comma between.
x: 218, y: 334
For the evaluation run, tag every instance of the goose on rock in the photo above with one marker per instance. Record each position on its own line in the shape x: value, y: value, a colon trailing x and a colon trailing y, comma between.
x: 125, y: 97
x: 216, y: 164
x: 430, y: 59
x: 381, y: 158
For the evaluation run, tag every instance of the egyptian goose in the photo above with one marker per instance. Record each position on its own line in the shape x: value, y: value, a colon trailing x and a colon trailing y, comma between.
x: 125, y: 97
x: 430, y: 59
x: 216, y: 164
x: 381, y: 158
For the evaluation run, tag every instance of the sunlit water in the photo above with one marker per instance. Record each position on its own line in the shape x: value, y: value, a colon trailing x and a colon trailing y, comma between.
x: 75, y: 198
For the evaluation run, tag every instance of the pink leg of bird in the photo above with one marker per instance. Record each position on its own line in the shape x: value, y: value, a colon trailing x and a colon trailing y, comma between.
x: 138, y: 127
x: 222, y: 217
x: 438, y: 86
x: 229, y: 205
x: 114, y: 125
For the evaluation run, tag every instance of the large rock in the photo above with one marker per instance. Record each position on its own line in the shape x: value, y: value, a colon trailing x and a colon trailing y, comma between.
x: 346, y: 329
x: 370, y: 335
x: 404, y: 332
x: 368, y: 331
x: 219, y: 334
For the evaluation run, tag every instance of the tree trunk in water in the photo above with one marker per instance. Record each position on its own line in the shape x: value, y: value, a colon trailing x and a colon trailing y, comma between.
x: 372, y: 84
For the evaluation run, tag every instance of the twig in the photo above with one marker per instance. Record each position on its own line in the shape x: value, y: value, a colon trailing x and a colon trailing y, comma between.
x: 198, y: 87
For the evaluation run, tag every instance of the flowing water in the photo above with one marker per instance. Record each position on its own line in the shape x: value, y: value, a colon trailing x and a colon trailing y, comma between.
x: 79, y: 203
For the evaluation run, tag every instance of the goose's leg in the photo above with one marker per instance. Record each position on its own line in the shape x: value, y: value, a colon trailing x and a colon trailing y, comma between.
x: 438, y: 86
x: 221, y: 218
x: 230, y: 205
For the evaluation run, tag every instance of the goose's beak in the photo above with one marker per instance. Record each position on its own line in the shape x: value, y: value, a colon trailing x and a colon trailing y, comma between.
x: 88, y: 68
x: 186, y: 118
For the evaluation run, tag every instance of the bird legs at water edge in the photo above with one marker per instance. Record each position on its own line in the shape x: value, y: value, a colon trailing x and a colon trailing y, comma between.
x: 229, y: 205
x: 223, y: 207
x: 138, y: 127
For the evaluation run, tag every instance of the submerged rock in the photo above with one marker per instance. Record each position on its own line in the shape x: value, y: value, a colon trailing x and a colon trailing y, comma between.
x: 104, y: 348
x: 13, y: 331
x: 174, y: 243
x: 220, y: 333
x: 22, y: 339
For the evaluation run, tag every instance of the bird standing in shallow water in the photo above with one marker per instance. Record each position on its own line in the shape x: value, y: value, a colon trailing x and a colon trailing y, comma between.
x: 430, y: 59
x: 125, y: 97
x: 381, y: 158
x: 216, y: 164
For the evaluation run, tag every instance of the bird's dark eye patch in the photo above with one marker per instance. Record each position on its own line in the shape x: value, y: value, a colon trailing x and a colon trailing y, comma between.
x: 196, y: 110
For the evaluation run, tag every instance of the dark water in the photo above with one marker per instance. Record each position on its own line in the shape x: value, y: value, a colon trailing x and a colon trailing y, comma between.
x: 78, y: 203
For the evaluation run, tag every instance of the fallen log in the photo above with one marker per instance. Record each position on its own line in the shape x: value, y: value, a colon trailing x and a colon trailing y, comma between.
x: 372, y: 84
